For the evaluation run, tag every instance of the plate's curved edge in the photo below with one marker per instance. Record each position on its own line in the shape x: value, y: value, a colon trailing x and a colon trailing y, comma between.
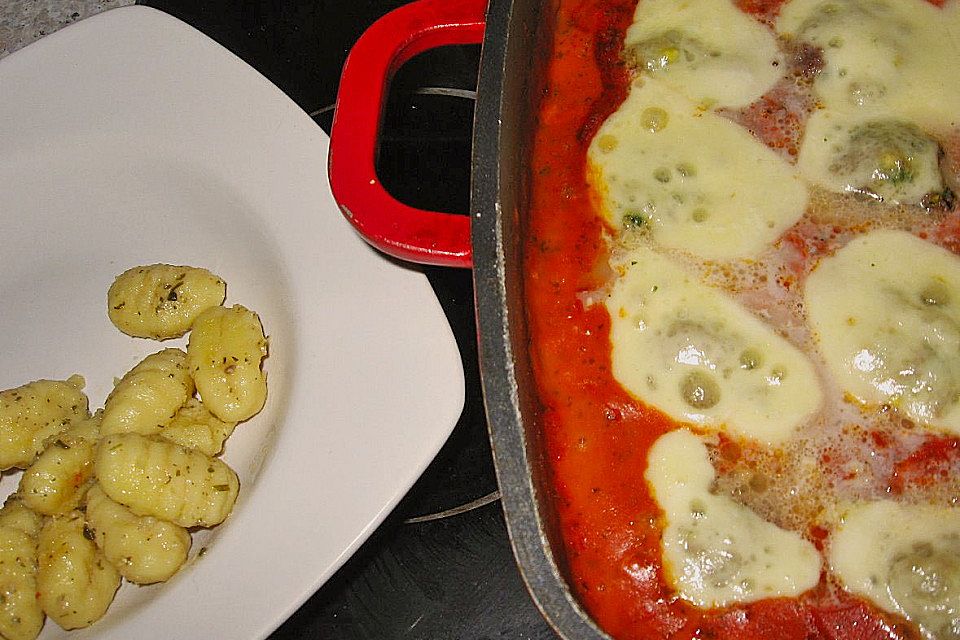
x: 378, y: 519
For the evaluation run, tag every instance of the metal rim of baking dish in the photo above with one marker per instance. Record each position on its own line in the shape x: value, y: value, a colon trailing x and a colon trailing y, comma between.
x: 511, y: 62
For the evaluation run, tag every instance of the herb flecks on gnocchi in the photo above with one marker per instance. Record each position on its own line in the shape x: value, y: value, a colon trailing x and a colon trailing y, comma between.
x: 162, y: 479
x: 21, y: 617
x: 226, y: 348
x: 144, y: 549
x: 195, y: 427
x: 149, y: 395
x: 31, y: 413
x: 58, y: 479
x: 16, y: 515
x: 161, y: 301
x: 75, y: 583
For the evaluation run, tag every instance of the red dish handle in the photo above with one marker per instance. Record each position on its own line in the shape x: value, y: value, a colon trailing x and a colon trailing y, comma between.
x: 417, y: 235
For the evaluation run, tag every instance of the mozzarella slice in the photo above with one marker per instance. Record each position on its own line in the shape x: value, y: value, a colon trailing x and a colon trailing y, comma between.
x: 892, y: 57
x: 890, y: 160
x: 885, y: 310
x: 904, y: 558
x: 697, y: 355
x: 717, y: 552
x: 707, y: 49
x: 694, y: 180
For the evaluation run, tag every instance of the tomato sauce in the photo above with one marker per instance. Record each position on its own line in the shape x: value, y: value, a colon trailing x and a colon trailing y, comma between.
x: 597, y: 435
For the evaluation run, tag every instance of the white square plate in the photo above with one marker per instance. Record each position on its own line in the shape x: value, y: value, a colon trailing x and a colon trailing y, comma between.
x: 130, y: 138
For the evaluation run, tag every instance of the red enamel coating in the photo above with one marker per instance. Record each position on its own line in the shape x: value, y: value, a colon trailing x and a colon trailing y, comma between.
x: 417, y: 235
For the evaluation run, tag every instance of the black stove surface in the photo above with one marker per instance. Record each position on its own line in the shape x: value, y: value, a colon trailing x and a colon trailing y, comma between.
x: 440, y: 566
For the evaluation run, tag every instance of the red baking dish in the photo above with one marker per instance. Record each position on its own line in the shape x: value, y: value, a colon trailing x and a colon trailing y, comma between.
x: 612, y: 315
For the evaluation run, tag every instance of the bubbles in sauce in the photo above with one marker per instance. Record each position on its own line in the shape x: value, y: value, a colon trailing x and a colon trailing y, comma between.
x: 700, y: 390
x: 654, y: 119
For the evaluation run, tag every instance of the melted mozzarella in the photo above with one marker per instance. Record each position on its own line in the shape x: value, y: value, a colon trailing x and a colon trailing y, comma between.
x: 717, y: 552
x: 888, y: 160
x: 707, y: 49
x: 885, y: 310
x: 888, y: 57
x: 905, y: 558
x: 700, y: 357
x: 692, y: 179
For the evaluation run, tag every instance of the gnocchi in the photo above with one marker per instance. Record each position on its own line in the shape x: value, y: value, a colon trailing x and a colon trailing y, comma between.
x: 31, y: 413
x: 109, y: 496
x: 195, y: 427
x: 57, y: 480
x: 148, y: 396
x: 225, y: 351
x: 164, y: 480
x: 75, y: 582
x: 161, y: 301
x: 144, y: 549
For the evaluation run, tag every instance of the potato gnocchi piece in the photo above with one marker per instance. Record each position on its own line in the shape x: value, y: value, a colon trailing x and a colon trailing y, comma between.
x: 149, y: 395
x: 195, y: 427
x: 225, y: 351
x: 15, y: 515
x: 21, y: 617
x: 31, y: 413
x: 144, y: 549
x: 162, y: 479
x: 75, y: 582
x: 161, y: 301
x: 58, y: 479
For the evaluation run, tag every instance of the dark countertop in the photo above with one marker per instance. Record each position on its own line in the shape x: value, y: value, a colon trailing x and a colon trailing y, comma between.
x: 452, y: 577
